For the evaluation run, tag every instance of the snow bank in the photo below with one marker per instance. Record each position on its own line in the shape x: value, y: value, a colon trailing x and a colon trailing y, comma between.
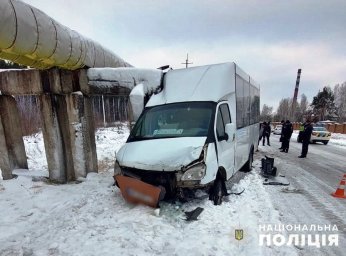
x: 36, y: 154
x: 108, y: 141
x: 338, y: 139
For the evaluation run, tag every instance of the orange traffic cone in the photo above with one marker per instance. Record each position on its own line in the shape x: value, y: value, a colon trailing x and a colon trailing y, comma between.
x: 340, y: 191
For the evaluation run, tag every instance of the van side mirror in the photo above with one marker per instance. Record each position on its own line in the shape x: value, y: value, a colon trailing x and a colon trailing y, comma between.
x: 230, y: 131
x: 223, y: 137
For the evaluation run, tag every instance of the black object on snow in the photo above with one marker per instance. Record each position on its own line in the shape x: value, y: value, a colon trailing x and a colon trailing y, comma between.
x: 268, y: 167
x: 236, y: 193
x: 193, y: 215
x: 281, y: 181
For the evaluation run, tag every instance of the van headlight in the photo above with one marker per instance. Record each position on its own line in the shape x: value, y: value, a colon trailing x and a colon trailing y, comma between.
x: 196, y: 172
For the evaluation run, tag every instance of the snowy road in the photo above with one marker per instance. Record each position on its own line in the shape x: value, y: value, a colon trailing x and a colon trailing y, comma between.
x: 307, y: 200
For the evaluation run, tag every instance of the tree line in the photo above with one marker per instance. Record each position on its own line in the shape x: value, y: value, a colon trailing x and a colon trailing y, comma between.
x: 328, y: 104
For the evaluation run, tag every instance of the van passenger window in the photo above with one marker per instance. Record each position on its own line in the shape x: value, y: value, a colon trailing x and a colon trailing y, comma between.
x: 225, y: 114
x: 220, y: 127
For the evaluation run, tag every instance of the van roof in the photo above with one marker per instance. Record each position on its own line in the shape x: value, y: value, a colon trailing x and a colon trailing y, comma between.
x: 203, y: 83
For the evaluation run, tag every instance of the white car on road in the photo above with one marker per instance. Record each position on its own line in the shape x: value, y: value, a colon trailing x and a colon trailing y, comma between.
x: 319, y: 134
x: 278, y: 129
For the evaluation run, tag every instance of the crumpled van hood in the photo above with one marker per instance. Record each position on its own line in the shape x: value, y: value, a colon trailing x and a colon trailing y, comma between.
x: 169, y: 154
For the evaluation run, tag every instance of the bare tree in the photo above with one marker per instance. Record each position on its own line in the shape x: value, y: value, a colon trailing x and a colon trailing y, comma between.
x: 266, y: 113
x: 301, y: 109
x: 283, y: 111
x: 304, y: 104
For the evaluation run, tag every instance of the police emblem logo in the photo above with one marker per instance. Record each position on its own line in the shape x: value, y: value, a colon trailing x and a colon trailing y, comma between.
x: 239, y: 234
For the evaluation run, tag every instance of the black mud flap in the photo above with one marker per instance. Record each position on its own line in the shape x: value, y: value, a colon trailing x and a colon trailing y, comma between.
x: 193, y: 215
x: 281, y: 181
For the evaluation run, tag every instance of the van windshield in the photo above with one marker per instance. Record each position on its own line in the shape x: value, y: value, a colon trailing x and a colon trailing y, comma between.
x: 188, y: 119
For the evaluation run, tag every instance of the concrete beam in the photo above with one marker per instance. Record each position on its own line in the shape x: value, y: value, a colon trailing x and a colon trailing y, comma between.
x: 5, y: 165
x: 59, y: 81
x: 12, y: 131
x: 20, y: 82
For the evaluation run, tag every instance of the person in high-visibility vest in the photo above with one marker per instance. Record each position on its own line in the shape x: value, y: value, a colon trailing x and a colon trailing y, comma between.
x: 306, y: 135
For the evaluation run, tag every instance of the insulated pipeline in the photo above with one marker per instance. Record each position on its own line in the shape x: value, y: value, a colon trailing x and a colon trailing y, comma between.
x: 32, y: 38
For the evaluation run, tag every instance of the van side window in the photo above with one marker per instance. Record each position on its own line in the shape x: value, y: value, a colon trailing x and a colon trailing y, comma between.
x: 220, y: 128
x: 225, y: 114
x: 223, y: 118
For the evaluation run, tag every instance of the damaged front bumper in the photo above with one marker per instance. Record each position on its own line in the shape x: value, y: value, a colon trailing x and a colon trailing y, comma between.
x: 138, y: 192
x: 159, y: 184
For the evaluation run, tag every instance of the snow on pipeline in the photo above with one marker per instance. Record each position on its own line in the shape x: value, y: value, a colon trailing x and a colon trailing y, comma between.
x: 92, y: 218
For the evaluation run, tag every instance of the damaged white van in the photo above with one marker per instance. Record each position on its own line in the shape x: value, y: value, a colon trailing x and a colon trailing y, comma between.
x: 198, y: 131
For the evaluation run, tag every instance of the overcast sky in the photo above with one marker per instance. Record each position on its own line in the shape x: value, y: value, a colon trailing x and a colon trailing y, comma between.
x: 269, y: 39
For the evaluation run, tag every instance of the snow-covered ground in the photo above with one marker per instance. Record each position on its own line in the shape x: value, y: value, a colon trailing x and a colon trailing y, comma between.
x: 92, y: 218
x: 308, y: 199
x: 338, y: 139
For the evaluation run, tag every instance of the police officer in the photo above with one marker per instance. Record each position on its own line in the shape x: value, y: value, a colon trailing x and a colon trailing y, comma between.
x: 287, y: 130
x: 306, y: 136
x: 266, y: 132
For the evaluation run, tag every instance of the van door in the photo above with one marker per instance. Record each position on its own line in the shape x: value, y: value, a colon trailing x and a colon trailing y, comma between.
x: 225, y: 146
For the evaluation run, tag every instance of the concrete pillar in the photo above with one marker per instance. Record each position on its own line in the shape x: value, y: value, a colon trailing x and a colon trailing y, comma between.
x: 5, y: 165
x: 12, y: 133
x: 56, y: 135
x: 82, y: 129
x: 68, y: 132
x: 90, y: 144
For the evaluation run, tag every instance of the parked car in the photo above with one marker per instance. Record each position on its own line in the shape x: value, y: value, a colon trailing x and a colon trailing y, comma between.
x: 319, y: 134
x: 278, y: 129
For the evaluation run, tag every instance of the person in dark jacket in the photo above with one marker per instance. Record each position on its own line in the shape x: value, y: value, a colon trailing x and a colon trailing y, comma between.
x: 306, y: 136
x: 266, y: 132
x: 261, y: 129
x: 287, y: 130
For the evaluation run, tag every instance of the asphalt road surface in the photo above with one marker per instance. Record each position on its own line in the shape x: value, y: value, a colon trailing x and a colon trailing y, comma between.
x: 307, y: 200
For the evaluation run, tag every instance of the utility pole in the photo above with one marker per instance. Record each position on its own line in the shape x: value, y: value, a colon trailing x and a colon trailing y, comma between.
x: 187, y: 61
x: 295, y: 96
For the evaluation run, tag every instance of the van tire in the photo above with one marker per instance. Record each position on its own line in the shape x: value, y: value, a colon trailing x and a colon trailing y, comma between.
x: 217, y: 192
x: 248, y: 165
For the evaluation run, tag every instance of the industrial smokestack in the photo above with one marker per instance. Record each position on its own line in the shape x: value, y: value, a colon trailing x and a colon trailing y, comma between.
x: 295, y: 96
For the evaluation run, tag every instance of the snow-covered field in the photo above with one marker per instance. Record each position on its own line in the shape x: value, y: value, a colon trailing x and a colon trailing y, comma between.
x: 92, y: 218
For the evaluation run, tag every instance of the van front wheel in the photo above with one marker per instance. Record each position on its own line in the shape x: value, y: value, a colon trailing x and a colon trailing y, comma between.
x: 217, y: 191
